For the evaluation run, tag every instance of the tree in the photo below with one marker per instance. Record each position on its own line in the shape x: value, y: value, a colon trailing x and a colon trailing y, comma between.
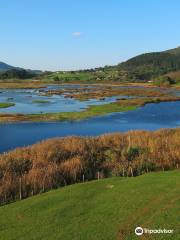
x: 131, y: 154
x: 164, y: 81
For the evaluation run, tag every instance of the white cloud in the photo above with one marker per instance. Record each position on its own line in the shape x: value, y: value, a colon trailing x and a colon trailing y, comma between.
x: 77, y: 34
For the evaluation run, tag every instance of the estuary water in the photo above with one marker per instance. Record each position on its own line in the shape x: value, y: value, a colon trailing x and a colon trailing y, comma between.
x: 149, y: 117
x: 37, y: 101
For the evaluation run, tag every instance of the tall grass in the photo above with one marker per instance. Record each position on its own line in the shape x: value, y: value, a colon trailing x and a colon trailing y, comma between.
x: 57, y: 162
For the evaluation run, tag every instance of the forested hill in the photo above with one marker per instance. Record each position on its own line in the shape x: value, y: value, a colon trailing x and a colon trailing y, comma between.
x: 142, y: 68
x: 9, y: 72
x: 5, y: 67
x: 162, y: 68
x: 148, y: 65
x: 16, y: 74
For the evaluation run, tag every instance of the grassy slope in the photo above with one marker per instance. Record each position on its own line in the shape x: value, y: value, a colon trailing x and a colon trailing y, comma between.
x: 95, y: 211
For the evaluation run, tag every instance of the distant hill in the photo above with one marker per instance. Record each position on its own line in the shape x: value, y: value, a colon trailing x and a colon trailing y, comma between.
x: 154, y: 66
x: 149, y: 65
x: 5, y: 67
x: 7, y: 72
x: 175, y: 51
x: 16, y: 73
x: 141, y: 68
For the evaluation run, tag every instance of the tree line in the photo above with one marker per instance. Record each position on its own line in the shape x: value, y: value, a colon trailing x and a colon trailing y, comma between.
x: 17, y: 74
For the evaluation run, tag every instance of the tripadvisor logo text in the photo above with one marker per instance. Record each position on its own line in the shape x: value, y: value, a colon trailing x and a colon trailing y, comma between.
x: 140, y: 231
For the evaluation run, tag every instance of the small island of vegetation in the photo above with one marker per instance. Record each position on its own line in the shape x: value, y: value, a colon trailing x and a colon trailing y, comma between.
x: 121, y: 105
x: 40, y: 101
x: 6, y: 104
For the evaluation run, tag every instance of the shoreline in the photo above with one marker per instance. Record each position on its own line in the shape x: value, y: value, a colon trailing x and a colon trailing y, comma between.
x: 40, y: 84
x: 91, y: 111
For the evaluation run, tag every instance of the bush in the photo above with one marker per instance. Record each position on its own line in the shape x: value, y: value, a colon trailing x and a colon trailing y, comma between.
x: 164, y: 81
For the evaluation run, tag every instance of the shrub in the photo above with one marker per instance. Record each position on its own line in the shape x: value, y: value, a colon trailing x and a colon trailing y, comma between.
x: 164, y: 81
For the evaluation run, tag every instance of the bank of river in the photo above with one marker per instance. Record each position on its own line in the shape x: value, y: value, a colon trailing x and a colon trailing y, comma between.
x: 149, y: 117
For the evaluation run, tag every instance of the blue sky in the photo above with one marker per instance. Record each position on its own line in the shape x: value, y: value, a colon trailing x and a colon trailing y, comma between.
x: 76, y: 34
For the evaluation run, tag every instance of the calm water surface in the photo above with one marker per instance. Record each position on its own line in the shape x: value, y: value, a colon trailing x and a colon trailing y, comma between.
x: 150, y: 117
x: 24, y: 101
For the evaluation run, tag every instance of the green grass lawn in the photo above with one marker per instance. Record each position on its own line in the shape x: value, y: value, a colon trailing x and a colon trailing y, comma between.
x: 6, y: 104
x: 72, y: 77
x: 99, y: 210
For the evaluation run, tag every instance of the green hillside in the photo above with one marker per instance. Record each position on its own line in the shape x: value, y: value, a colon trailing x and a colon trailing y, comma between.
x: 149, y: 65
x: 16, y: 74
x: 5, y: 67
x: 175, y: 51
x: 141, y: 68
x: 99, y: 210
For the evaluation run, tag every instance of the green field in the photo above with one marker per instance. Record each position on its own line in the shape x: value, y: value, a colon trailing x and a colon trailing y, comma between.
x: 107, y: 209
